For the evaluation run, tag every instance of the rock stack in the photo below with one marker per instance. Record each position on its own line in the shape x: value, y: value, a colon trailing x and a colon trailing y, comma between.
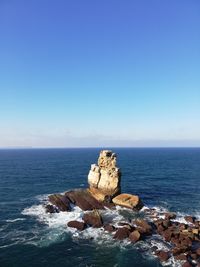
x: 104, y: 189
x: 182, y: 239
x: 104, y: 178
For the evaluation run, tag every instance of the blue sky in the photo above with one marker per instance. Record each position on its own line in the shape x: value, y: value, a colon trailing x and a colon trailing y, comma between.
x: 99, y: 73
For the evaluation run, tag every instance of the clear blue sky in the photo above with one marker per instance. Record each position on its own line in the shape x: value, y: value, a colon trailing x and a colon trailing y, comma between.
x: 99, y: 73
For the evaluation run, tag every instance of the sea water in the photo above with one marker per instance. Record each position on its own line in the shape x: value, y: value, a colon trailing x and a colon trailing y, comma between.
x: 165, y: 178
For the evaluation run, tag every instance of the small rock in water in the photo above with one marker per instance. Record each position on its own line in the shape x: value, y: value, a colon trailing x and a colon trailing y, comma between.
x: 143, y: 226
x: 51, y: 209
x: 187, y: 264
x: 122, y: 233
x: 163, y: 255
x: 128, y: 201
x: 109, y: 228
x: 134, y: 236
x: 76, y: 224
x: 93, y: 219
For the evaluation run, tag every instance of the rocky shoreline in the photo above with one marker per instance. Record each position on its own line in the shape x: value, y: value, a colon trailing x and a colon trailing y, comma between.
x: 104, y: 192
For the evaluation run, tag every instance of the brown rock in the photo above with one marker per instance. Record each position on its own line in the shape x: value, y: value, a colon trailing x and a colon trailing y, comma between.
x: 109, y: 228
x: 160, y: 229
x: 143, y: 226
x: 93, y: 219
x: 78, y: 225
x: 187, y: 264
x: 194, y: 256
x: 122, y: 233
x: 51, y: 209
x: 163, y: 255
x: 182, y: 226
x: 83, y: 199
x: 170, y: 216
x: 198, y: 251
x: 195, y: 231
x: 128, y: 201
x: 166, y: 223
x: 167, y: 234
x: 62, y: 202
x: 190, y: 219
x: 186, y: 242
x: 134, y: 236
x: 179, y: 250
x: 181, y: 257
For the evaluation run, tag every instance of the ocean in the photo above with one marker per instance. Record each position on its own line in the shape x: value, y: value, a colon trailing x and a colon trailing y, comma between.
x: 165, y: 178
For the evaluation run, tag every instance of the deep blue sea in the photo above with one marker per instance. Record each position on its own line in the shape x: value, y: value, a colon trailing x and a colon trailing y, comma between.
x: 166, y: 178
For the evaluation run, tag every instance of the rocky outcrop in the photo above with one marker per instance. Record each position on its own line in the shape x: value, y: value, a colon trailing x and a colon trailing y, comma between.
x: 103, y: 194
x: 128, y: 201
x: 104, y: 178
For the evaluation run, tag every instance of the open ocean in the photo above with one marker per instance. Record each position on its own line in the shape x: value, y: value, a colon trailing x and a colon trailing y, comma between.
x: 165, y: 178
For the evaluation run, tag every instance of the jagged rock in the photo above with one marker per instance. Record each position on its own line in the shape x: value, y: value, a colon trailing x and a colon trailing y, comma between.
x: 51, y: 209
x: 143, y: 226
x: 76, y: 224
x: 122, y: 233
x: 128, y: 201
x: 134, y: 236
x: 105, y: 177
x: 83, y: 199
x: 62, y: 202
x: 93, y: 219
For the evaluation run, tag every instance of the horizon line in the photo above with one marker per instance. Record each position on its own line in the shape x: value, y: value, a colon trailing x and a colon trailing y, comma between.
x: 101, y: 147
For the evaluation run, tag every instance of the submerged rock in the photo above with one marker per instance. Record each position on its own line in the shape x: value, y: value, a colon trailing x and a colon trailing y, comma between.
x: 104, y: 178
x: 128, y: 201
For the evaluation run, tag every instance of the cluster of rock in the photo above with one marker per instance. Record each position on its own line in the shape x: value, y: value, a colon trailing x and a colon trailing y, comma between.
x: 183, y: 238
x: 105, y: 192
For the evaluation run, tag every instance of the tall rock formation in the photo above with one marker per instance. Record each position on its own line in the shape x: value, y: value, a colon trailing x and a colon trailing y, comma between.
x: 104, y: 178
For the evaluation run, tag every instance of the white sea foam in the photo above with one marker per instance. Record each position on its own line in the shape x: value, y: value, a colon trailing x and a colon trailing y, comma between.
x: 57, y: 228
x: 15, y: 220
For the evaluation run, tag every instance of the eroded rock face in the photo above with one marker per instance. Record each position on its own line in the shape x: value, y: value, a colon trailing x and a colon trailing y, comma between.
x: 104, y: 178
